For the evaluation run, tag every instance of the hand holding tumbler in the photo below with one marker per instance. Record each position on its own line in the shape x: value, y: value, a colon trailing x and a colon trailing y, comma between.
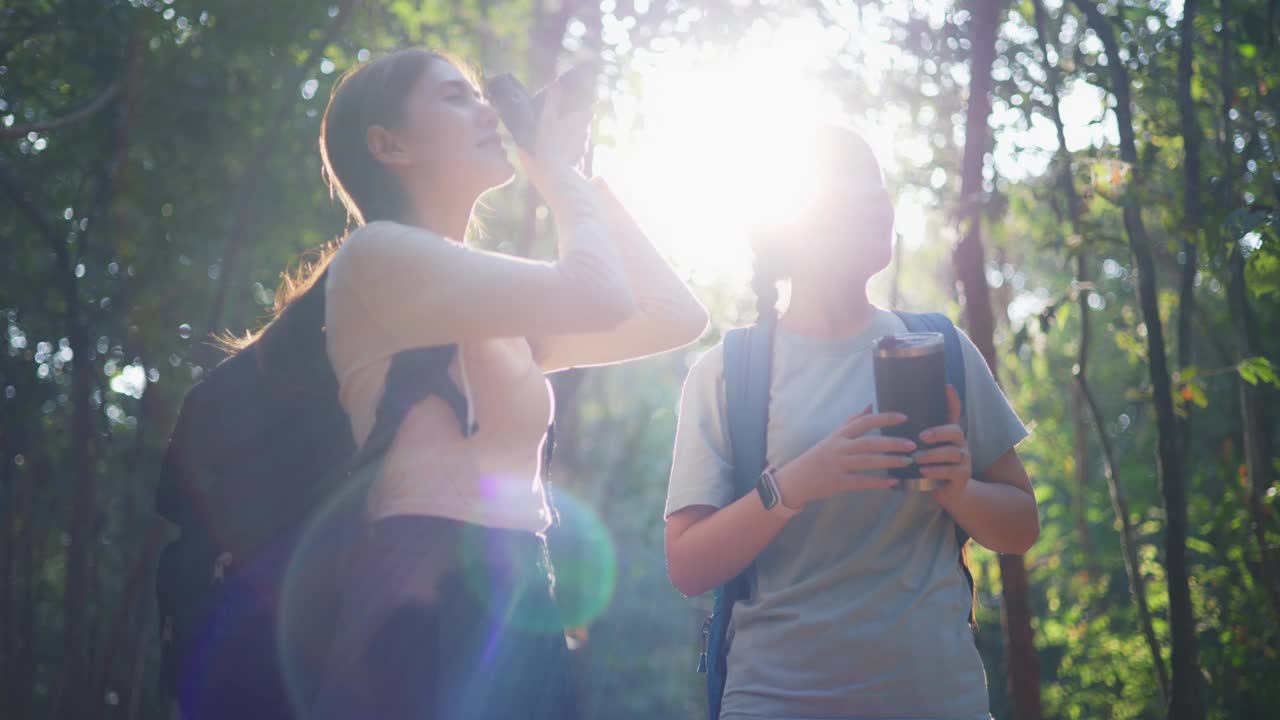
x: 911, y: 378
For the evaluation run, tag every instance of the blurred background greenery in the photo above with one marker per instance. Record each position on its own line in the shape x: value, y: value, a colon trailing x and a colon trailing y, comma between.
x: 1116, y: 180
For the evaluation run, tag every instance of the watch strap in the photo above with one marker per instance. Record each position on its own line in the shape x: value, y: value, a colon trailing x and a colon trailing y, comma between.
x: 769, y: 479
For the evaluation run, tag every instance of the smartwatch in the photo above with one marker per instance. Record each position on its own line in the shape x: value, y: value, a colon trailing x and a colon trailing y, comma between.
x: 770, y: 495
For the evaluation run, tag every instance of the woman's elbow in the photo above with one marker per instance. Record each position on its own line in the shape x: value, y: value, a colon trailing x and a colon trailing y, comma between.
x: 683, y: 325
x: 617, y: 307
x: 682, y: 571
x: 695, y: 323
x: 602, y: 310
x: 614, y: 306
x: 686, y: 583
x: 1033, y: 534
x: 1022, y: 540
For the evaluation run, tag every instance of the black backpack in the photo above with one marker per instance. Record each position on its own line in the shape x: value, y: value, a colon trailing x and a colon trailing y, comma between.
x: 255, y: 459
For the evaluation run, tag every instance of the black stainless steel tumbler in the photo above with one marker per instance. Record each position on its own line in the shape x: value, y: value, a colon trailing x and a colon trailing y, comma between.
x: 911, y: 378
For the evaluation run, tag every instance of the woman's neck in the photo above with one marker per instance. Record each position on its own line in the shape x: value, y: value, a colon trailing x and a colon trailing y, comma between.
x: 834, y: 313
x: 441, y: 213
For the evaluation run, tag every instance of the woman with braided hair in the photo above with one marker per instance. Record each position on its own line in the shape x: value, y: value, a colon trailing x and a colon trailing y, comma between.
x: 857, y: 607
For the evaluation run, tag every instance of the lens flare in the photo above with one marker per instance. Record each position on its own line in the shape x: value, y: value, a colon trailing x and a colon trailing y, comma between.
x: 586, y: 561
x: 499, y: 572
x: 309, y: 600
x: 585, y: 569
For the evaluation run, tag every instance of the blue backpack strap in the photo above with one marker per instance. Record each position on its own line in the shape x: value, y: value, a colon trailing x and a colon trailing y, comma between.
x: 939, y: 323
x: 748, y: 364
x: 954, y: 358
x: 748, y: 360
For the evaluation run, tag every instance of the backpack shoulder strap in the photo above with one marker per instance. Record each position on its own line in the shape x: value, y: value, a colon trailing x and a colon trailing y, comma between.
x: 748, y: 360
x: 954, y: 354
x: 414, y: 375
x: 954, y: 359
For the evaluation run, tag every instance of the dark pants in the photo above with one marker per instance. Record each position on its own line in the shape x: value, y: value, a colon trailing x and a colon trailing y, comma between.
x: 443, y: 619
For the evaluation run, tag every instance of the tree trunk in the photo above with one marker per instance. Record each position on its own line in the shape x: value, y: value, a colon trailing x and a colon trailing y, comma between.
x: 29, y: 561
x: 1080, y: 441
x: 1022, y: 665
x: 1185, y: 698
x: 1253, y: 428
x: 1191, y: 203
x: 24, y: 685
x: 242, y: 224
x: 1084, y: 401
x: 1079, y: 413
x: 7, y: 519
x: 81, y: 433
x: 1128, y: 536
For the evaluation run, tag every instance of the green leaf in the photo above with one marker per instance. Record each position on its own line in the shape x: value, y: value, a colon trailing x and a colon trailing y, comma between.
x: 1264, y: 274
x: 1248, y: 50
x: 1258, y: 369
x: 1197, y: 545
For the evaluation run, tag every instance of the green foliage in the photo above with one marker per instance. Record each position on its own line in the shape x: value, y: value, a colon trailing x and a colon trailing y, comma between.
x: 199, y: 170
x: 1258, y: 369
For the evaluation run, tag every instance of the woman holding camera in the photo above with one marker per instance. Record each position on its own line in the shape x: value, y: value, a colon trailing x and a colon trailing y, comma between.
x: 449, y: 611
x: 857, y: 606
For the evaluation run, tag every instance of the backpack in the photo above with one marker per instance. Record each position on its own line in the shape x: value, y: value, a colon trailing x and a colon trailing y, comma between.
x: 747, y: 371
x: 252, y: 462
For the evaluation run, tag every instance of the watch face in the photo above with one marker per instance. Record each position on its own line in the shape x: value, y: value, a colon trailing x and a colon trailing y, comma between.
x: 765, y: 488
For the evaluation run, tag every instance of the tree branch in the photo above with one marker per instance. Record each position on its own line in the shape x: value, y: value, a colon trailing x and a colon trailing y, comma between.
x: 1084, y: 395
x: 69, y: 120
x: 1185, y: 699
x: 245, y: 206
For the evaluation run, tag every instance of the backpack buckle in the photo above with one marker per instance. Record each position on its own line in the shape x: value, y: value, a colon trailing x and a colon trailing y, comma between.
x: 220, y: 566
x: 706, y: 640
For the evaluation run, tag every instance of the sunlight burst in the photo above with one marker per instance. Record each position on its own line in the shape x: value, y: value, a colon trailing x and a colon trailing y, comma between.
x: 718, y: 144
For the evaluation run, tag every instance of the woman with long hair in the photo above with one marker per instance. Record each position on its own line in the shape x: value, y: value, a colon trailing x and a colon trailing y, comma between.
x: 447, y: 608
x: 857, y: 606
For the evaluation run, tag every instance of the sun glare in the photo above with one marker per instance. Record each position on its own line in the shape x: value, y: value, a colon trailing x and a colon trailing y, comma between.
x: 716, y: 144
x: 715, y: 141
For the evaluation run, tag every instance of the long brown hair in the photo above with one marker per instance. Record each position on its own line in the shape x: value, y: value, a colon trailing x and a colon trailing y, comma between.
x: 292, y: 341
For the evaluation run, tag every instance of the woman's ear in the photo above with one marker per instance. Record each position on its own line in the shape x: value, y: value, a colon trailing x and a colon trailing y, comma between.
x: 384, y: 146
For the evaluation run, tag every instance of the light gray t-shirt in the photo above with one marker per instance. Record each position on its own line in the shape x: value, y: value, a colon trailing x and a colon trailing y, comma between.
x: 859, y: 608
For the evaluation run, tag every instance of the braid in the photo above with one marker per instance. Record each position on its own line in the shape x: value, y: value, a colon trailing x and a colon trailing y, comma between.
x: 764, y: 282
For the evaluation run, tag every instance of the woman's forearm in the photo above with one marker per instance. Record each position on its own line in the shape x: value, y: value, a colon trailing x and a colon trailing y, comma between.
x: 705, y: 550
x: 589, y: 259
x: 666, y: 313
x: 673, y: 312
x: 1000, y: 517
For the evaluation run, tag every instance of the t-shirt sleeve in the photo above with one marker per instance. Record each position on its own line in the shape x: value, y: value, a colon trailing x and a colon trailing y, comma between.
x: 702, y: 468
x: 992, y: 426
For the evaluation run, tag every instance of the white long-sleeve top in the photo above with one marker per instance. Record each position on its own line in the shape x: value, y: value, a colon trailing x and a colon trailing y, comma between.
x: 609, y: 297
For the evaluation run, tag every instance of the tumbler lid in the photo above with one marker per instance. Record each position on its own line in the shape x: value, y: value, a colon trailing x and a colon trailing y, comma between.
x: 906, y: 345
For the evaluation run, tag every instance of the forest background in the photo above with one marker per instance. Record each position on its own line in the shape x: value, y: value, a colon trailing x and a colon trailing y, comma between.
x: 1091, y: 190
